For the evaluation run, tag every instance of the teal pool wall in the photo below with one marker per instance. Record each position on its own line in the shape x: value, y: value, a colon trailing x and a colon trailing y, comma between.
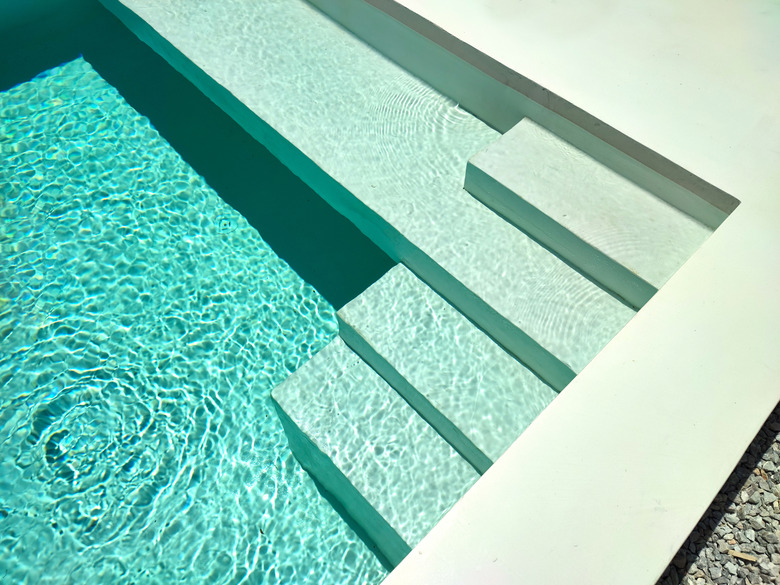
x: 322, y: 246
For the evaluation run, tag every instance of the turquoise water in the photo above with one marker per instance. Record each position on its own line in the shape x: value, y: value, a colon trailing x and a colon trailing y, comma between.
x: 143, y: 324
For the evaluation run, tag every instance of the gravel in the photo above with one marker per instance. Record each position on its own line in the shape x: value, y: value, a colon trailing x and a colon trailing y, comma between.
x: 744, y: 519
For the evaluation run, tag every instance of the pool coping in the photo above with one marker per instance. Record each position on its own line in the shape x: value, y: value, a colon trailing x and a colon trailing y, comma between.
x: 607, y: 483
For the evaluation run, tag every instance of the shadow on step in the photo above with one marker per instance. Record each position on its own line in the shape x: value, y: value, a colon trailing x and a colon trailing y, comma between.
x: 333, y: 501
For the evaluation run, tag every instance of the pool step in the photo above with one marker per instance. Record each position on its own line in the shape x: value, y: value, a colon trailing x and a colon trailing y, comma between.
x: 612, y: 230
x: 389, y: 153
x: 475, y: 395
x: 388, y: 469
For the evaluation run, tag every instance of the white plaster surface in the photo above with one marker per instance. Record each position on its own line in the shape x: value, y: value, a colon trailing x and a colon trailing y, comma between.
x: 627, y: 223
x: 634, y: 450
x: 484, y: 392
x: 611, y: 477
x: 375, y: 439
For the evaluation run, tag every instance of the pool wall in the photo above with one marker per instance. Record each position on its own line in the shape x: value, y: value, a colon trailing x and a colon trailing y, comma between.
x: 14, y: 14
x: 321, y: 245
x: 387, y: 238
x: 502, y: 97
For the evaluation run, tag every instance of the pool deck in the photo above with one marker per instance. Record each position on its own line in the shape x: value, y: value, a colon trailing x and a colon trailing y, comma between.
x: 607, y: 483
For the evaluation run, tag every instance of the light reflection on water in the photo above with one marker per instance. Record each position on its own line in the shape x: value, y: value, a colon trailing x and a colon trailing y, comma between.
x: 143, y: 324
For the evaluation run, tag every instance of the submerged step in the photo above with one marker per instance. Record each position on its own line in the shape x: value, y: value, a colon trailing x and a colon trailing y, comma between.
x: 469, y: 389
x: 611, y: 229
x: 389, y: 153
x: 391, y: 472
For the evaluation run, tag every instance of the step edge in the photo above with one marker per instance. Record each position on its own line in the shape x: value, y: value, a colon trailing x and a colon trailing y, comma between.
x: 313, y: 460
x: 446, y: 429
x: 621, y: 282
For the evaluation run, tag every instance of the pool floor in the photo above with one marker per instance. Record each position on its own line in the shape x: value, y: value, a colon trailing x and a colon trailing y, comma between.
x: 143, y: 323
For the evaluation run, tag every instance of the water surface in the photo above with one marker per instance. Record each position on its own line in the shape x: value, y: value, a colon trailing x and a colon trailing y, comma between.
x: 143, y: 323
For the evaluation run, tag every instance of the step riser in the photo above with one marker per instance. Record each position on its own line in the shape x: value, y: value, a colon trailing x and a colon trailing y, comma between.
x: 445, y: 427
x: 514, y: 340
x: 389, y: 472
x: 625, y: 238
x: 625, y: 285
x: 476, y: 396
x: 383, y: 537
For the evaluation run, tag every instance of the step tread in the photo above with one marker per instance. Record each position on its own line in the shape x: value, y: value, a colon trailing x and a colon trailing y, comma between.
x: 638, y: 230
x: 401, y: 149
x: 461, y: 372
x: 398, y: 463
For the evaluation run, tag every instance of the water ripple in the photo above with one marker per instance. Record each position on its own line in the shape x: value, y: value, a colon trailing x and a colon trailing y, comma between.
x: 143, y: 323
x: 405, y: 109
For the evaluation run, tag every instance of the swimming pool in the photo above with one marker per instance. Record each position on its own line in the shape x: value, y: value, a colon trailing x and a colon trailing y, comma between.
x: 143, y: 323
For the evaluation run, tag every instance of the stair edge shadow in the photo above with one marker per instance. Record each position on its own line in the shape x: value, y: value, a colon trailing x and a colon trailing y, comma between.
x: 373, y: 528
x: 435, y: 418
x: 604, y: 271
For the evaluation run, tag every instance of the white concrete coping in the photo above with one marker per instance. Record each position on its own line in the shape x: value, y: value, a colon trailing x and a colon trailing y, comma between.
x: 607, y: 483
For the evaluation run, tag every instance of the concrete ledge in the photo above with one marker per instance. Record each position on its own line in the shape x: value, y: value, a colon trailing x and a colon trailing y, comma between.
x: 621, y: 282
x: 371, y: 451
x: 475, y: 395
x: 602, y: 224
